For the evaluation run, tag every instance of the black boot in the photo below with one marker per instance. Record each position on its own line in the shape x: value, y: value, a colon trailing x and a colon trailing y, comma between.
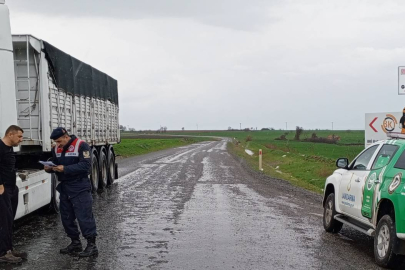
x: 91, y: 248
x: 74, y: 247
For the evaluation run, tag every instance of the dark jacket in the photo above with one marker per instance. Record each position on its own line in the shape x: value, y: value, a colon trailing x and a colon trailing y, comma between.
x: 7, y: 165
x: 76, y: 160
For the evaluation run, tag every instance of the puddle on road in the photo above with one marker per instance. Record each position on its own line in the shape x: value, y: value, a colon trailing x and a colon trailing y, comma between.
x: 231, y: 226
x: 216, y: 172
x: 183, y: 156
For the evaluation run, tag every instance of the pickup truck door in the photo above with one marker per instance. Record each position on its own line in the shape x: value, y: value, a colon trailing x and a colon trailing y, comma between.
x: 375, y: 179
x: 353, y: 181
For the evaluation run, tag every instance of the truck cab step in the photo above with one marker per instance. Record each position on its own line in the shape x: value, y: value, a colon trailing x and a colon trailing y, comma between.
x: 355, y: 224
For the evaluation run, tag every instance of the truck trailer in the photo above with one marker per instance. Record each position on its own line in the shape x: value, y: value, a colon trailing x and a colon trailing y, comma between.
x: 41, y: 88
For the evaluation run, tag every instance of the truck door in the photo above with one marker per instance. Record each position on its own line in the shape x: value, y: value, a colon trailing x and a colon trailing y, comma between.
x: 352, y: 183
x: 375, y: 178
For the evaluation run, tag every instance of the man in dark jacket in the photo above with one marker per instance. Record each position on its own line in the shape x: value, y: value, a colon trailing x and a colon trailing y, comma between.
x: 72, y: 159
x: 8, y: 194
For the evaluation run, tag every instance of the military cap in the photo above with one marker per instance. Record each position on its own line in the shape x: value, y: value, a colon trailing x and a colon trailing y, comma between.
x: 58, y: 132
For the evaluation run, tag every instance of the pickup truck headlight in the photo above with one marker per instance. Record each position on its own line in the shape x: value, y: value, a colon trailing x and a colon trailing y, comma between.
x: 395, y: 183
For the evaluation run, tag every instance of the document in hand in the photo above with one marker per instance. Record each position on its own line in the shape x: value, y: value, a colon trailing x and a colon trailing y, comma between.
x: 47, y: 163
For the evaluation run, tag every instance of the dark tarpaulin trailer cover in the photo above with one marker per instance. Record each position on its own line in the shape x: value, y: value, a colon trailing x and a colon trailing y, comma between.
x: 78, y: 78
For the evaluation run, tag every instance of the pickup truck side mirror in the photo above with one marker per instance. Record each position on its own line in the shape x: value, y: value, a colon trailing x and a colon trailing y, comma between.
x: 342, y: 163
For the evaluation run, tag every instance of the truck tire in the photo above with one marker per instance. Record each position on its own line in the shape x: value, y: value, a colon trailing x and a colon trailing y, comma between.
x: 116, y: 171
x: 384, y: 240
x: 55, y: 201
x: 94, y: 177
x: 102, y: 161
x: 329, y: 223
x: 111, y: 166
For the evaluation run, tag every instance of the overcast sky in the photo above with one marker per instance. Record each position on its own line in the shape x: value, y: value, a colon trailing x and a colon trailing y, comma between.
x: 219, y: 63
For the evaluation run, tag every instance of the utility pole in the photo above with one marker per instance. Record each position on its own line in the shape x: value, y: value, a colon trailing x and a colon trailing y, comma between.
x: 240, y: 126
x: 332, y: 125
x: 285, y: 125
x: 197, y: 126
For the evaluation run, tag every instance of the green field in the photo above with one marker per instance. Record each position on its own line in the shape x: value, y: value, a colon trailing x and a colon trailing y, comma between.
x: 305, y: 164
x: 132, y: 145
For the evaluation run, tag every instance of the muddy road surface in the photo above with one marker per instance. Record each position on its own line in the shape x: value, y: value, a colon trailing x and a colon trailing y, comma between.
x: 197, y: 207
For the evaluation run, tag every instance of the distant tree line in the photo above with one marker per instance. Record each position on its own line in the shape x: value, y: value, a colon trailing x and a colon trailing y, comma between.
x: 124, y: 128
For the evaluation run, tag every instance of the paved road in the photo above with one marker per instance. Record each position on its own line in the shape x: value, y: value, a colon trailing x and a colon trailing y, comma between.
x: 197, y: 207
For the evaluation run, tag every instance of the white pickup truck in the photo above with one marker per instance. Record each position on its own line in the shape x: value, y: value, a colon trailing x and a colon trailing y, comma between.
x: 368, y: 195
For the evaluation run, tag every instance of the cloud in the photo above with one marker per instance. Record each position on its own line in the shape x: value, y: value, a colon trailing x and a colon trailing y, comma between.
x: 234, y: 14
x: 221, y: 63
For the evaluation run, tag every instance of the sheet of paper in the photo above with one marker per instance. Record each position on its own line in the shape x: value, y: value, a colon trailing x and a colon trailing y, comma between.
x: 47, y: 163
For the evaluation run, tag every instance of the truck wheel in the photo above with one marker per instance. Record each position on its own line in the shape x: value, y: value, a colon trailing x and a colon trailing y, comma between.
x: 116, y: 171
x: 94, y: 177
x: 55, y: 201
x: 111, y: 166
x: 384, y: 240
x: 102, y: 159
x: 329, y: 223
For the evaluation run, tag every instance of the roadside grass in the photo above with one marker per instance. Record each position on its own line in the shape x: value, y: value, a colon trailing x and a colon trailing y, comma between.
x: 133, y: 147
x: 305, y: 164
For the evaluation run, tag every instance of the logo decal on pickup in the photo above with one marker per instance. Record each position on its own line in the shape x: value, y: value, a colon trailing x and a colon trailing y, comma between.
x: 371, y: 181
x: 349, y: 197
x: 348, y: 200
x: 349, y: 185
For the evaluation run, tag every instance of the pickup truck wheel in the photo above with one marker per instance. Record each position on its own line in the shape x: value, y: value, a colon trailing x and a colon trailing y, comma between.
x: 384, y: 241
x: 329, y: 223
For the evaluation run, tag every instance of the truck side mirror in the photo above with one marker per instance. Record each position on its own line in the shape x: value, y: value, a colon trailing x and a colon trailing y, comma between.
x: 342, y: 163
